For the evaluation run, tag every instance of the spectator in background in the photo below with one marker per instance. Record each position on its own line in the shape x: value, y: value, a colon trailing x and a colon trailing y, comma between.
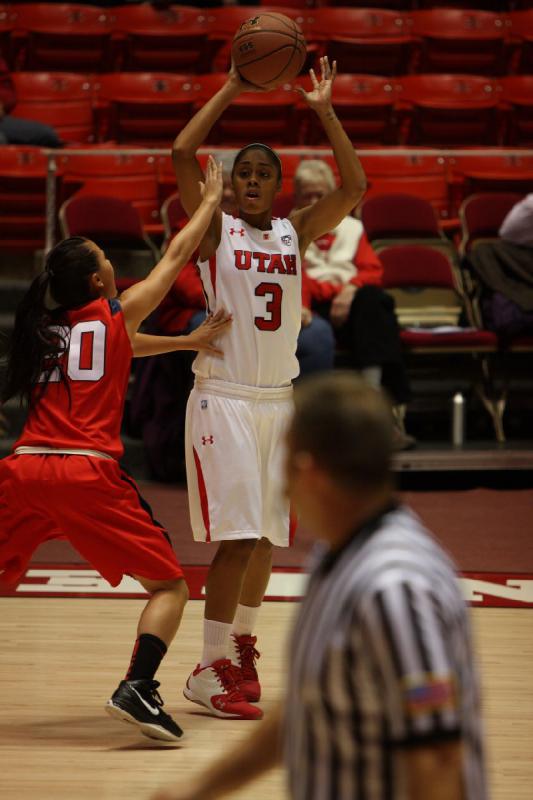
x: 342, y: 279
x: 14, y: 130
x: 504, y: 271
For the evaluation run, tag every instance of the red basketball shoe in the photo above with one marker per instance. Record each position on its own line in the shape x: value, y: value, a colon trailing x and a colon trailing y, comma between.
x: 216, y: 687
x: 245, y: 655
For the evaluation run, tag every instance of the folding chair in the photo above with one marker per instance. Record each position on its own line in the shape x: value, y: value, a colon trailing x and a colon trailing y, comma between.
x: 363, y: 40
x: 113, y: 224
x: 450, y: 110
x: 22, y: 198
x: 518, y: 100
x: 63, y: 36
x: 128, y: 177
x: 252, y: 116
x: 364, y: 103
x: 395, y: 218
x: 428, y: 293
x: 60, y: 99
x: 145, y: 108
x: 172, y: 39
x: 459, y: 40
x: 481, y: 216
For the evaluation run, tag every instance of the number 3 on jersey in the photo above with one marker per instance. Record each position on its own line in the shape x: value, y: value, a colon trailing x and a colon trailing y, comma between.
x: 86, y: 351
x: 274, y: 294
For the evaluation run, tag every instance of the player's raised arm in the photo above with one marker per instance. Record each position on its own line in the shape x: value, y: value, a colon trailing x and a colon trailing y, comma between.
x: 142, y: 298
x: 324, y: 215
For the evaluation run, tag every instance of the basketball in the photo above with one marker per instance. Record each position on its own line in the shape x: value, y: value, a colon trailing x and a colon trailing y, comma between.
x: 269, y: 49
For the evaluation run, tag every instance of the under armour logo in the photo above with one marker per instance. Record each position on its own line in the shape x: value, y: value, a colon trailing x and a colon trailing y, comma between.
x: 233, y: 231
x: 208, y: 440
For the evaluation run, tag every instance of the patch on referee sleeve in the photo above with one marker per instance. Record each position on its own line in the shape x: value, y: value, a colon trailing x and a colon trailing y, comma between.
x: 426, y: 692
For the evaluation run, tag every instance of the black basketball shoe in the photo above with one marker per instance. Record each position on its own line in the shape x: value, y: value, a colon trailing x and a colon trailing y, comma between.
x: 140, y: 703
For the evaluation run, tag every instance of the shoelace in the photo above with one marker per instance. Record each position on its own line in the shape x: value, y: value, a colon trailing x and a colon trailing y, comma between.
x: 248, y: 656
x: 228, y: 675
x: 152, y: 687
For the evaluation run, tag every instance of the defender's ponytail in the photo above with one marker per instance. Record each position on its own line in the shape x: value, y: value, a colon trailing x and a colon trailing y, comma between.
x: 38, y: 338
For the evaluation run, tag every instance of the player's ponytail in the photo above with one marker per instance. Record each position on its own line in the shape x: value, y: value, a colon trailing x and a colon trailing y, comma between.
x: 38, y: 339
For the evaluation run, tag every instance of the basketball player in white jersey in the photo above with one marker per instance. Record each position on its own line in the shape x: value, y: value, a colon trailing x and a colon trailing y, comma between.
x: 239, y: 407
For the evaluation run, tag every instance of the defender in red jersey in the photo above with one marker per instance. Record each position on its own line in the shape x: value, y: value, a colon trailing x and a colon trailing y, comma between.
x: 70, y: 360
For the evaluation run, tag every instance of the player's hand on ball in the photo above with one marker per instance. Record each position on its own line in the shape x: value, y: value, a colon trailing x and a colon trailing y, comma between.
x: 319, y: 98
x: 214, y: 325
x: 211, y: 190
x: 240, y: 85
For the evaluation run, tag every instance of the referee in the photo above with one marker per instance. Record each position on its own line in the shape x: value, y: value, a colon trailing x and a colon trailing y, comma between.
x: 382, y: 701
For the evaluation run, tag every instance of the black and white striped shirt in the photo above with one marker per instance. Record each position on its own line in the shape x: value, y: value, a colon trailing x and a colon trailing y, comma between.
x: 380, y: 659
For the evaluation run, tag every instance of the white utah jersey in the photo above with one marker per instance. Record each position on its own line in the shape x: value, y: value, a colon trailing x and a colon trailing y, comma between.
x: 256, y: 276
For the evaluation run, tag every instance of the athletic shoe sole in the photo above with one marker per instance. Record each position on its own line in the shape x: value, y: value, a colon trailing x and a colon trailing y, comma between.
x: 151, y: 731
x: 214, y: 711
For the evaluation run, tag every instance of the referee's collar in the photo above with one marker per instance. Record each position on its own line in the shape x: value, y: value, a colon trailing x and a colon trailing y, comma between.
x: 362, y: 533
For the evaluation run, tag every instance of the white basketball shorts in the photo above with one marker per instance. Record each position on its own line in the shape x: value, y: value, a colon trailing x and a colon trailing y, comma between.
x: 234, y: 444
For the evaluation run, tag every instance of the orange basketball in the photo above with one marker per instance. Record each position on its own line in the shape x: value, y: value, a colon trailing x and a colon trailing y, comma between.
x: 269, y: 49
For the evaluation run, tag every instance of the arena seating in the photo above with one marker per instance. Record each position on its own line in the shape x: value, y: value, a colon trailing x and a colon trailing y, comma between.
x: 22, y: 198
x: 63, y: 36
x: 458, y: 40
x: 61, y: 99
x: 363, y: 40
x: 481, y: 216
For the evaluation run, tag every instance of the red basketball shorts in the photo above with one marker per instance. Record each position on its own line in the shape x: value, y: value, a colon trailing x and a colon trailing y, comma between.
x: 89, y: 501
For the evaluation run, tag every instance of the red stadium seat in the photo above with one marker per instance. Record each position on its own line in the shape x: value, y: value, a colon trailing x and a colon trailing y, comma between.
x: 172, y: 39
x: 145, y: 108
x: 252, y: 116
x: 375, y: 41
x: 399, y: 216
x: 450, y: 110
x: 396, y: 5
x: 457, y: 40
x: 510, y: 171
x: 22, y: 198
x: 166, y: 177
x: 428, y: 293
x: 125, y: 176
x: 364, y: 103
x: 518, y: 99
x: 223, y: 23
x: 482, y: 215
x: 422, y: 175
x: 60, y: 99
x: 63, y: 36
x: 109, y: 221
x: 522, y: 34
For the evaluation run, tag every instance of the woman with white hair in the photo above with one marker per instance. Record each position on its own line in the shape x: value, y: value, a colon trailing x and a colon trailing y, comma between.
x: 342, y: 283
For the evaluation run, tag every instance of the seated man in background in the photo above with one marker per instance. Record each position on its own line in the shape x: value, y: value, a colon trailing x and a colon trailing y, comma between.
x: 504, y: 271
x: 14, y: 130
x: 341, y: 281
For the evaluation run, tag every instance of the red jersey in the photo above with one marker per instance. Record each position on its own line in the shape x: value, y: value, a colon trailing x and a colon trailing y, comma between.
x: 97, y: 364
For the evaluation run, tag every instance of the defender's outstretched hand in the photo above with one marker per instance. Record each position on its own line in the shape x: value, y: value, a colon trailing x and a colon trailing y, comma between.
x: 213, y: 326
x: 211, y: 189
x: 319, y: 98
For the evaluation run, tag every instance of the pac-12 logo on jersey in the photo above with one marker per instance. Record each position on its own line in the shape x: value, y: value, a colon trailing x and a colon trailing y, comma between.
x: 287, y: 240
x: 203, y: 404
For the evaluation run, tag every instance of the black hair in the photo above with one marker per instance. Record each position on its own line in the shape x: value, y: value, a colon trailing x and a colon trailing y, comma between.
x: 271, y: 155
x: 38, y: 340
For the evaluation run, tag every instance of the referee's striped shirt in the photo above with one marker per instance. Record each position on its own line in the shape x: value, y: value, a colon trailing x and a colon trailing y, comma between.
x: 380, y: 659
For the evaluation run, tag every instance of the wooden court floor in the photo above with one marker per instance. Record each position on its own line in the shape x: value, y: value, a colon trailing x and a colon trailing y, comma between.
x: 60, y: 659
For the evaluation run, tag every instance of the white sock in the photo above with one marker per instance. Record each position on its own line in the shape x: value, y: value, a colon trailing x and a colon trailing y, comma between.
x: 216, y: 641
x: 372, y: 375
x: 245, y: 619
